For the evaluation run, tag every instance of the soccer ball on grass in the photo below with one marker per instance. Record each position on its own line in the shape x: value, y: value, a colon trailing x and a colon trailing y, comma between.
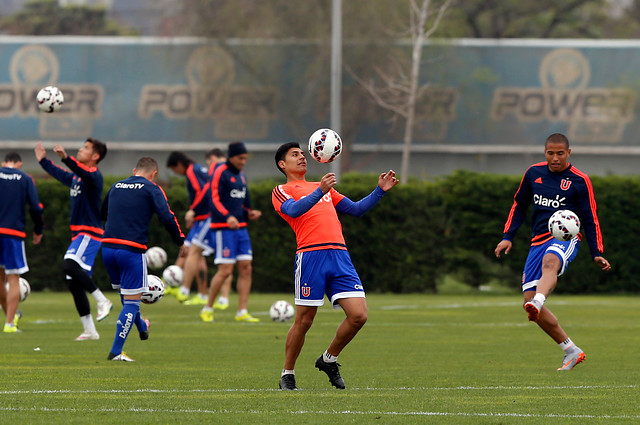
x: 156, y: 257
x: 281, y: 311
x: 155, y: 291
x: 564, y: 225
x: 50, y: 99
x: 325, y: 145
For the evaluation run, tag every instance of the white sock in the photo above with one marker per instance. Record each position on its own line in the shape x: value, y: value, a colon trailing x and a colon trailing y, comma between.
x: 328, y: 358
x: 204, y: 296
x: 288, y: 372
x: 99, y: 296
x: 205, y: 308
x: 242, y: 312
x: 87, y: 323
x: 568, y: 346
x: 223, y: 300
x: 185, y: 291
x: 540, y: 297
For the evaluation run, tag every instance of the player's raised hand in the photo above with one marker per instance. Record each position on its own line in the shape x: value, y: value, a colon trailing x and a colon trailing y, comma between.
x: 40, y: 151
x: 328, y: 181
x: 387, y: 180
x: 59, y: 150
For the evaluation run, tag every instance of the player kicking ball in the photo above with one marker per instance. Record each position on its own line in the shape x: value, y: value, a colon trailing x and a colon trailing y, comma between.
x: 542, y: 185
x: 323, y: 265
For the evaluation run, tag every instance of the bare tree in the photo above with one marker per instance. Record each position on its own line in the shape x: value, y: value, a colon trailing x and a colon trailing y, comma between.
x: 398, y: 92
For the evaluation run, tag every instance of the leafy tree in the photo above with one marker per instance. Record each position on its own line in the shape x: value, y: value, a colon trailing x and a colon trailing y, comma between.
x: 46, y: 17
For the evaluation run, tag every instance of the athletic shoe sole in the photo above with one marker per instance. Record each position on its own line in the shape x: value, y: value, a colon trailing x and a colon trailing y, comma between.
x: 532, y: 311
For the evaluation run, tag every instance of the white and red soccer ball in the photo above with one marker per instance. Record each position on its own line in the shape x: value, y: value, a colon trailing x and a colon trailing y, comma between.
x: 156, y: 257
x: 564, y: 225
x: 173, y: 275
x: 25, y: 288
x: 325, y: 145
x: 50, y: 99
x: 281, y: 311
x: 155, y: 290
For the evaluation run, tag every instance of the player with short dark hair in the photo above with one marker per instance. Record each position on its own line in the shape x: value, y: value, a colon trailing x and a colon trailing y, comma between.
x: 128, y: 209
x: 86, y: 183
x: 228, y: 235
x: 17, y: 189
x: 323, y: 265
x: 550, y: 186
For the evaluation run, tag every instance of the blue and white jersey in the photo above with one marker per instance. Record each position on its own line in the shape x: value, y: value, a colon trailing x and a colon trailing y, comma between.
x: 128, y: 208
x: 570, y: 189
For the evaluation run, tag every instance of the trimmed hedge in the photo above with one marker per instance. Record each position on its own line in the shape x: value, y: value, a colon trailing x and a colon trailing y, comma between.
x: 419, y: 233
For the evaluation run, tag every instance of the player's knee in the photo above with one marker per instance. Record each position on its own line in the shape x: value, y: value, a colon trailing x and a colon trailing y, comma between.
x: 69, y: 267
x: 358, y: 319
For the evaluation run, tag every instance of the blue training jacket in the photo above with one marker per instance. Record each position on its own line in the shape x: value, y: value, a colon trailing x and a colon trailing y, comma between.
x: 18, y: 189
x: 85, y: 192
x: 570, y: 189
x: 128, y: 208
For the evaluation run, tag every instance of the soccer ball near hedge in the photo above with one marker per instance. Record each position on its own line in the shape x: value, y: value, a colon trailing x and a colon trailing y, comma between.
x: 155, y: 290
x: 281, y: 311
x: 172, y: 275
x: 50, y: 99
x: 325, y: 145
x: 564, y: 225
x: 156, y: 257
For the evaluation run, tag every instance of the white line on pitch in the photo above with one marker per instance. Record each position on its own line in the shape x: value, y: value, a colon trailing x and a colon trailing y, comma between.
x: 317, y: 412
x: 224, y: 390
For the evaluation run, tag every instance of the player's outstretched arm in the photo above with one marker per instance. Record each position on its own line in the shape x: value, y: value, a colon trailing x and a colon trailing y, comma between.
x: 387, y: 180
x: 603, y: 263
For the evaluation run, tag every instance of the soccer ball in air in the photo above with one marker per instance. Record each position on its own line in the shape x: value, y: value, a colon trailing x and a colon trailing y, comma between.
x: 155, y: 291
x: 156, y: 257
x: 325, y: 145
x: 172, y: 275
x: 564, y: 225
x: 281, y: 311
x: 25, y: 288
x: 50, y: 99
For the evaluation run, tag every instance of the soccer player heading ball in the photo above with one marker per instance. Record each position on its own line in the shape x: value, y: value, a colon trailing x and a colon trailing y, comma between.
x: 545, y: 183
x: 323, y: 265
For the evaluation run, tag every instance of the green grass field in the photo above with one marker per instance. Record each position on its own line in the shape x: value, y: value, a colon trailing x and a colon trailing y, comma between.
x: 420, y: 359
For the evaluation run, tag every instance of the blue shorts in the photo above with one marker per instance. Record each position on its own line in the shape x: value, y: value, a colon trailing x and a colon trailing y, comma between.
x: 83, y: 250
x: 127, y: 270
x: 327, y: 272
x: 565, y: 251
x: 12, y: 255
x: 229, y: 246
x: 196, y: 230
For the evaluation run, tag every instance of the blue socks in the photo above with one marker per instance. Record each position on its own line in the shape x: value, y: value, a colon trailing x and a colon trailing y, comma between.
x: 129, y: 316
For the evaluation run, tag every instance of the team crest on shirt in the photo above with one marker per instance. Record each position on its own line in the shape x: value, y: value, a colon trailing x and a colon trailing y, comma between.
x: 306, y: 291
x: 564, y: 184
